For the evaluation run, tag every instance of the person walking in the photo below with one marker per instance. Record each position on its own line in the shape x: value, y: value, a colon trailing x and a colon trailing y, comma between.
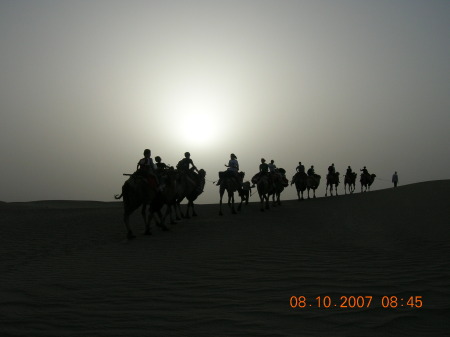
x: 395, y: 179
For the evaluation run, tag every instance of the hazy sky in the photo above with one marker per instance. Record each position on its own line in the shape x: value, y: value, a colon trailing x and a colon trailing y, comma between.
x: 86, y: 86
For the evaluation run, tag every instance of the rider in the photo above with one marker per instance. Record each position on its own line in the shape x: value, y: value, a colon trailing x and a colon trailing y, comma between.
x: 311, y: 172
x: 349, y: 172
x: 146, y: 168
x: 364, y: 171
x: 146, y: 165
x: 300, y: 168
x: 160, y: 167
x: 232, y: 168
x: 300, y: 172
x: 331, y: 169
x: 183, y: 164
x: 263, y: 167
x: 272, y: 166
x: 183, y: 167
x: 263, y: 170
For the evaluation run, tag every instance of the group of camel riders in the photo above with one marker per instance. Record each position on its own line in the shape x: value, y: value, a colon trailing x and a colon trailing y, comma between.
x: 265, y: 169
x: 300, y: 169
x: 155, y: 173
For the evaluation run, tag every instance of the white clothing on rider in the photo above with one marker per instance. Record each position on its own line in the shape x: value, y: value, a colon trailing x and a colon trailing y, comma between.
x: 233, y: 165
x: 272, y: 167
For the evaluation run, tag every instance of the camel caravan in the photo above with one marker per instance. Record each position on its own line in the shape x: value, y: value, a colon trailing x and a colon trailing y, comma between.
x: 153, y: 186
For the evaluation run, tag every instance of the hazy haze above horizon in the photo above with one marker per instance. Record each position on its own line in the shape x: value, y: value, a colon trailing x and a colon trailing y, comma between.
x: 86, y: 86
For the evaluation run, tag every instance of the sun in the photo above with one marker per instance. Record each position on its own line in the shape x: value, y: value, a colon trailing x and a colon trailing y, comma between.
x: 197, y: 113
x: 197, y: 127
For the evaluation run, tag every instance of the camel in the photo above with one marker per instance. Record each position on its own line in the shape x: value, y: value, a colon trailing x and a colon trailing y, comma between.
x: 136, y: 191
x: 312, y: 182
x: 264, y: 186
x: 350, y: 181
x: 246, y: 191
x: 332, y: 179
x: 165, y: 197
x: 231, y: 184
x: 299, y: 179
x: 189, y: 185
x: 279, y: 183
x: 366, y: 181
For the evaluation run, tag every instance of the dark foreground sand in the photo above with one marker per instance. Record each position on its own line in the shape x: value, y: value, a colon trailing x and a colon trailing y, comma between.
x: 67, y: 270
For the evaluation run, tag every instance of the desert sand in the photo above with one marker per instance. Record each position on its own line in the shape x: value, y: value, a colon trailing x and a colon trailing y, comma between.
x: 68, y: 270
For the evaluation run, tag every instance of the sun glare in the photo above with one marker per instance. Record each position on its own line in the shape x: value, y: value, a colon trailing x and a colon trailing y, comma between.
x: 196, y: 114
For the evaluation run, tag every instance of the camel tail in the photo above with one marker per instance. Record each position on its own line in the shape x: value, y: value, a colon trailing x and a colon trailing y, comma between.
x: 117, y: 197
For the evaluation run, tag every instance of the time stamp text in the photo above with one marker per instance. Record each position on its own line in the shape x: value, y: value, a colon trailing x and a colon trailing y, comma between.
x: 355, y: 302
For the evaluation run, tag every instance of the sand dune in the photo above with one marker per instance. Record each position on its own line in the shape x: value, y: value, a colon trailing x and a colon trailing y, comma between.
x: 67, y: 269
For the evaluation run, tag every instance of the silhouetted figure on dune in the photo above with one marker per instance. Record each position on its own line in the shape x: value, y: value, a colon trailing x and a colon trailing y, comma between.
x: 299, y: 179
x: 350, y: 180
x: 332, y: 180
x: 395, y: 179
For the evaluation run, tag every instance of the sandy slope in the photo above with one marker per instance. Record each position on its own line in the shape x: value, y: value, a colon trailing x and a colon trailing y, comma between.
x: 67, y: 270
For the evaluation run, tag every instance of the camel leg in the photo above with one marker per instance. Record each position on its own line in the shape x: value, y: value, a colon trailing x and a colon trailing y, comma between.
x: 194, y: 213
x: 231, y: 196
x: 240, y: 205
x: 126, y: 220
x: 261, y: 197
x: 169, y: 213
x: 147, y: 224
x: 178, y: 213
x: 220, y: 202
x: 273, y: 200
x: 147, y: 220
x: 187, y: 210
x: 162, y: 224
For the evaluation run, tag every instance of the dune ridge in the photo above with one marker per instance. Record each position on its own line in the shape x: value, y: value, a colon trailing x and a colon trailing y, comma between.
x: 67, y: 269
